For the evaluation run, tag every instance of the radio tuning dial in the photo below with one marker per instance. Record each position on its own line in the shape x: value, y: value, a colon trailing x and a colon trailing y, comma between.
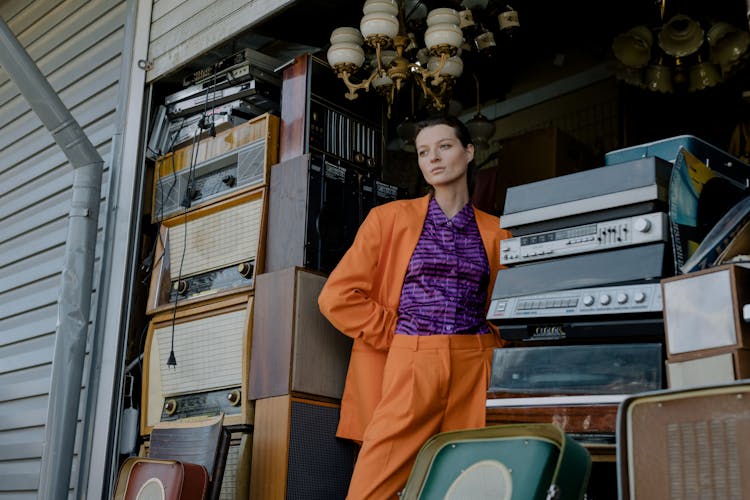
x: 605, y: 299
x: 234, y: 397
x: 245, y: 269
x: 588, y: 300
x: 170, y: 406
x: 639, y: 297
x: 642, y: 225
x: 181, y: 287
x: 622, y: 298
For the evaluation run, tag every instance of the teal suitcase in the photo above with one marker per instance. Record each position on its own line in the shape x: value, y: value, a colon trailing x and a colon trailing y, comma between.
x: 502, y: 462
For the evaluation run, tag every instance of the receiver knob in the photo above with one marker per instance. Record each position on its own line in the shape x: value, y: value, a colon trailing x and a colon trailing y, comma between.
x: 181, y: 286
x: 245, y: 269
x: 170, y: 406
x: 639, y: 297
x: 588, y: 300
x: 605, y: 299
x: 642, y: 225
x: 622, y: 298
x: 234, y: 397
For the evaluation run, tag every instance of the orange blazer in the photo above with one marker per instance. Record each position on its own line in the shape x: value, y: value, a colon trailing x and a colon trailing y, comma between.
x: 361, y: 296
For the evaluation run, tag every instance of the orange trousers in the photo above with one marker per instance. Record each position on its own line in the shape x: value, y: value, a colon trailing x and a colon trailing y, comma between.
x: 431, y: 384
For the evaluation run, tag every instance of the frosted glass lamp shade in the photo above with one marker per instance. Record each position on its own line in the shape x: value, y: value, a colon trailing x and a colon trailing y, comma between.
x: 345, y: 54
x: 379, y: 24
x: 443, y: 34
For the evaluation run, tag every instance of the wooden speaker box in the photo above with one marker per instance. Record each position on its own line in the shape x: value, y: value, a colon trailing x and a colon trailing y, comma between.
x: 703, y: 311
x: 296, y: 454
x: 709, y: 369
x: 295, y: 349
x: 688, y: 443
x: 216, y: 250
x: 212, y: 349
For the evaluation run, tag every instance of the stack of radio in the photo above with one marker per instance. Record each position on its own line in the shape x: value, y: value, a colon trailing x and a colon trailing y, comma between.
x: 580, y: 298
x: 209, y: 203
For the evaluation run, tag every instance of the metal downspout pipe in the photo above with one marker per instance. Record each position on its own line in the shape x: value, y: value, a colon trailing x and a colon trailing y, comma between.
x: 74, y: 301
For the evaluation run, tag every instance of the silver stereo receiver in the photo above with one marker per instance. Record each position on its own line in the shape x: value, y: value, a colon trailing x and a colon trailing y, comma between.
x: 605, y: 300
x: 628, y: 231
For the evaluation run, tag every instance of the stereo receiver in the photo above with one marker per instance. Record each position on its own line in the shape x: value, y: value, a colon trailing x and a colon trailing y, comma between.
x: 617, y: 233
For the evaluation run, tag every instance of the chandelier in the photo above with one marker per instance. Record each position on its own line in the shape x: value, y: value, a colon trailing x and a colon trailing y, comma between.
x: 681, y: 54
x: 390, y: 31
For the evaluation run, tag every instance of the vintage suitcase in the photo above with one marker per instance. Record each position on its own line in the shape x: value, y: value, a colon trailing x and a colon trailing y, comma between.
x: 667, y: 149
x: 235, y: 483
x: 703, y: 311
x: 204, y: 442
x: 509, y: 462
x: 147, y: 478
x: 685, y: 444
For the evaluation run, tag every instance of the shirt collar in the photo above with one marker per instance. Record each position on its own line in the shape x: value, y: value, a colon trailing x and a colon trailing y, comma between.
x: 459, y: 221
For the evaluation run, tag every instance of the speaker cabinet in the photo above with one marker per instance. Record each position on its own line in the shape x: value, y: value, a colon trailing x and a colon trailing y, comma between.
x: 703, y: 311
x: 295, y: 349
x: 296, y: 454
x: 687, y: 443
x: 212, y: 349
x: 316, y: 204
x: 714, y: 369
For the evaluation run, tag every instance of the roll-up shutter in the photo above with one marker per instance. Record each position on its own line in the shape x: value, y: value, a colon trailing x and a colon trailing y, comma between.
x: 78, y: 46
x: 181, y: 30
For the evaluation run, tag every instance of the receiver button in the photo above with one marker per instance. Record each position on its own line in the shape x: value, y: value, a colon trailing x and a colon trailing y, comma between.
x: 639, y: 297
x: 622, y: 298
x: 588, y: 300
x: 605, y: 299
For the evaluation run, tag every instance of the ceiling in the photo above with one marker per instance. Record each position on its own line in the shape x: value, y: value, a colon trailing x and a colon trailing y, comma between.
x: 554, y: 36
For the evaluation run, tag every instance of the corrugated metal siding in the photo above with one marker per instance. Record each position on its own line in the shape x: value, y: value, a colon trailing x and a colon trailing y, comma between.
x: 78, y: 47
x: 183, y: 29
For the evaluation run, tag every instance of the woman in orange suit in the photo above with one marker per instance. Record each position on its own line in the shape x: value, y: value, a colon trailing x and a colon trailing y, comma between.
x: 413, y: 291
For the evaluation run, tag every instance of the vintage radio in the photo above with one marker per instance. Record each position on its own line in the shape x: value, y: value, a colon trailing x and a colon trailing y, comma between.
x: 687, y: 443
x: 713, y: 369
x: 703, y: 311
x: 296, y: 454
x: 236, y: 160
x: 576, y: 369
x: 235, y: 482
x: 295, y: 349
x: 597, y: 236
x: 258, y: 93
x: 211, y: 344
x: 316, y: 205
x: 529, y: 461
x: 217, y: 249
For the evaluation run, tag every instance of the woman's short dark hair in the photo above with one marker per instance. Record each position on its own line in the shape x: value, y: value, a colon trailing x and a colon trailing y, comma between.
x: 462, y: 133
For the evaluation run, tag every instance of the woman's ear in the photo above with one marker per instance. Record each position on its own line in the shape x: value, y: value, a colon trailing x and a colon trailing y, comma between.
x: 469, y: 152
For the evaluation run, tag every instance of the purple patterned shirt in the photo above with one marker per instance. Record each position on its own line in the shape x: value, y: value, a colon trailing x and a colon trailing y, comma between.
x: 445, y: 288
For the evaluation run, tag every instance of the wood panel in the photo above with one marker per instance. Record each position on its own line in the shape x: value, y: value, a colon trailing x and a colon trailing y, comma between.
x: 295, y: 93
x: 268, y: 468
x: 295, y: 349
x: 588, y: 419
x: 287, y: 214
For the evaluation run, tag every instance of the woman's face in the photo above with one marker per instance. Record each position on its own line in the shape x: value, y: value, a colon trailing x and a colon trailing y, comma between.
x: 442, y: 158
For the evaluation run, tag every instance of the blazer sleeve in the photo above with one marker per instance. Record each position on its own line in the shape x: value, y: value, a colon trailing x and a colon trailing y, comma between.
x: 348, y: 298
